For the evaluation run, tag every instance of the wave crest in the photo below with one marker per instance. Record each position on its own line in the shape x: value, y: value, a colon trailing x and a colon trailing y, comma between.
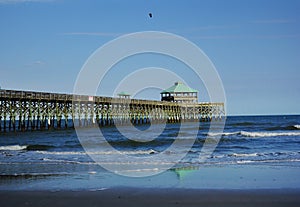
x: 268, y: 134
x: 283, y: 128
x: 13, y: 147
x: 134, y: 152
x: 255, y: 134
x: 297, y: 126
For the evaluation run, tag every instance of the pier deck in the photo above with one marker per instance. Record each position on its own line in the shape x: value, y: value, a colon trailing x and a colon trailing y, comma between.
x: 29, y: 110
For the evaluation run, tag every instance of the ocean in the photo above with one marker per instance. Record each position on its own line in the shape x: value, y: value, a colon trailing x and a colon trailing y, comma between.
x: 253, y: 152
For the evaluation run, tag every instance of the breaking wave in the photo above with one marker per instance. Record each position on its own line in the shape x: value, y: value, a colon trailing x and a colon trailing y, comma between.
x: 255, y: 134
x: 268, y: 134
x: 131, y: 152
x: 13, y: 147
x: 290, y: 127
x: 25, y: 147
x: 297, y: 126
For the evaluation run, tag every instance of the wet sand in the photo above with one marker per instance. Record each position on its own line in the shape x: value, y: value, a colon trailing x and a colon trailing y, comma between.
x: 152, y: 197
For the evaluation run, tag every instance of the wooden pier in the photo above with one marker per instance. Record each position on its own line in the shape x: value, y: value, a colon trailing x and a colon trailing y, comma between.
x: 28, y: 110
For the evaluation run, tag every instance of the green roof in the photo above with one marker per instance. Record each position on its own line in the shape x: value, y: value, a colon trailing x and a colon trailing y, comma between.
x: 179, y: 87
x: 123, y: 94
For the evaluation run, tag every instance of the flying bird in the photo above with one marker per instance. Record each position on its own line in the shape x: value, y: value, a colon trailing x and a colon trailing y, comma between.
x: 150, y: 15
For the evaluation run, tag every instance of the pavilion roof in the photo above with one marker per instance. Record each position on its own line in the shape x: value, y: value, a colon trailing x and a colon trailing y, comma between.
x: 179, y: 87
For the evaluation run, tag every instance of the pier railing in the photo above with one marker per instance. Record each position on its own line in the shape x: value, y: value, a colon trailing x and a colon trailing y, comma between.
x: 30, y: 110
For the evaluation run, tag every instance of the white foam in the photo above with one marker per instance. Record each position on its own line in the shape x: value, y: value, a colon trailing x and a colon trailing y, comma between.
x: 34, y: 174
x: 297, y: 126
x: 245, y: 161
x: 62, y: 161
x: 98, y: 189
x: 140, y: 152
x: 245, y: 155
x: 13, y: 147
x: 257, y: 134
x: 137, y: 152
x: 268, y: 134
x: 267, y: 161
x: 222, y: 134
x: 61, y: 153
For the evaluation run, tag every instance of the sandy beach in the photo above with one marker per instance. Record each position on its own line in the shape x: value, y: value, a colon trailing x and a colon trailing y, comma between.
x: 151, y: 197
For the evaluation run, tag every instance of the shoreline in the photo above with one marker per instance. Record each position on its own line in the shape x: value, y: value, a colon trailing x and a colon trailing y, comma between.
x: 153, y: 197
x: 237, y: 177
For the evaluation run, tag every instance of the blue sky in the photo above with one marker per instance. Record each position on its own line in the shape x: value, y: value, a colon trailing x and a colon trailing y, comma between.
x: 254, y: 44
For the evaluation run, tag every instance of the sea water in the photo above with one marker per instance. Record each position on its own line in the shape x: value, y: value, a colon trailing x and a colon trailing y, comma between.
x: 253, y: 152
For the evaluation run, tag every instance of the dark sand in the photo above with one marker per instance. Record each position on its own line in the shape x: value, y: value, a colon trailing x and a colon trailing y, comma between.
x: 151, y: 197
